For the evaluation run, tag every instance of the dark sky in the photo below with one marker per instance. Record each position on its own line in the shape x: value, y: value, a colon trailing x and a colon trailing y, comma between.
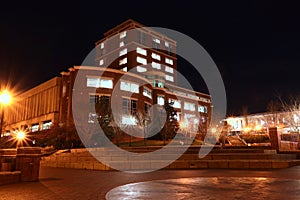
x: 255, y: 44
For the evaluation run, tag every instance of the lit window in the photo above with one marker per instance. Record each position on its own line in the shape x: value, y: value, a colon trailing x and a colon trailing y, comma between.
x: 169, y: 78
x: 128, y: 120
x: 156, y: 40
x: 47, y: 125
x: 97, y: 82
x: 35, y: 127
x: 141, y: 51
x: 155, y: 56
x: 124, y: 69
x: 101, y: 62
x: 202, y: 109
x: 147, y: 93
x: 189, y: 106
x: 169, y: 61
x: 123, y: 34
x: 176, y: 103
x: 156, y: 65
x: 122, y: 44
x: 141, y: 69
x: 160, y: 100
x: 102, y: 45
x: 130, y: 87
x: 123, y: 52
x: 123, y: 61
x: 169, y: 69
x: 141, y: 60
x: 167, y: 44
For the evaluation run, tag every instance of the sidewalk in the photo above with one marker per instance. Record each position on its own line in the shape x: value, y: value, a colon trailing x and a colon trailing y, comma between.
x: 58, y: 183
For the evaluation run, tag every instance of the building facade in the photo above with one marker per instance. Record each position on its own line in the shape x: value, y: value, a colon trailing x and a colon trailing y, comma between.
x: 138, y: 69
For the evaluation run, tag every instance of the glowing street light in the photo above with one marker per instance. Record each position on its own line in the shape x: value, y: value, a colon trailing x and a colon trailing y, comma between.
x: 20, y: 137
x: 5, y: 99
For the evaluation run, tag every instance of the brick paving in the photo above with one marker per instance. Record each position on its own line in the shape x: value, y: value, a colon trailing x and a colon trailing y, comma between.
x: 58, y: 183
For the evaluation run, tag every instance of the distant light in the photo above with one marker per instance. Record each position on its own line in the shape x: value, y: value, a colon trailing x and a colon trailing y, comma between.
x: 247, y: 129
x: 258, y: 127
x: 213, y: 130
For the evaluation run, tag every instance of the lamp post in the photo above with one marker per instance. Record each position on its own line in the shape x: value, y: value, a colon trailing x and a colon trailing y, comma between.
x: 5, y: 99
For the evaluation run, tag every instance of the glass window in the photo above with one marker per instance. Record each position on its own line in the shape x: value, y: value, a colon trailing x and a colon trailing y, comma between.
x: 46, y: 125
x: 141, y: 69
x: 123, y: 52
x: 102, y: 45
x: 97, y: 82
x: 202, y: 109
x: 155, y: 56
x: 176, y: 103
x: 35, y: 127
x: 189, y: 106
x: 155, y: 43
x: 147, y: 93
x: 130, y: 87
x: 123, y: 34
x: 123, y: 61
x: 169, y: 69
x: 101, y: 62
x: 141, y: 51
x: 156, y: 65
x: 169, y: 78
x: 142, y: 37
x: 141, y: 60
x: 160, y: 100
x: 133, y: 107
x: 169, y: 61
x: 122, y: 44
x: 124, y: 69
x: 125, y: 105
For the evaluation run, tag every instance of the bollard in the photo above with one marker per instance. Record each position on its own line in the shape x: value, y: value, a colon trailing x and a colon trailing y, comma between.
x: 28, y: 162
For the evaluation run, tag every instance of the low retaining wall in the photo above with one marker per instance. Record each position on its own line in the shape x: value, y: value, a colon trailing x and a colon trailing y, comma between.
x: 289, y: 146
x: 10, y: 177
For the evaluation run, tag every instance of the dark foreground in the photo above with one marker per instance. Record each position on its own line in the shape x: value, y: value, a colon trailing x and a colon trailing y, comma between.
x: 185, y: 184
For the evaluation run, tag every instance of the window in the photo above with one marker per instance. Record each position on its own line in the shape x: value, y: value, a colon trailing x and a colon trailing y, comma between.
x: 141, y: 51
x: 155, y: 43
x: 142, y: 37
x: 176, y: 103
x: 189, y: 106
x: 101, y: 62
x: 123, y: 52
x: 125, y: 106
x: 202, y: 109
x: 160, y: 100
x: 141, y: 60
x: 147, y: 93
x: 169, y: 69
x: 169, y: 61
x: 35, y: 127
x: 102, y: 45
x: 46, y: 125
x: 130, y: 87
x: 94, y: 99
x: 129, y: 106
x: 141, y: 69
x: 156, y: 65
x: 155, y: 56
x: 97, y: 82
x: 123, y: 61
x: 122, y: 44
x: 124, y: 69
x: 169, y: 78
x: 168, y: 47
x: 123, y: 34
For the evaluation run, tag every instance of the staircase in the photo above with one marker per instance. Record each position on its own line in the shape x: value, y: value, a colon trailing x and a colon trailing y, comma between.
x: 228, y: 158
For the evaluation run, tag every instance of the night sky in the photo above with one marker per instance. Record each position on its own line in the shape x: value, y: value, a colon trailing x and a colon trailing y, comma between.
x: 255, y: 44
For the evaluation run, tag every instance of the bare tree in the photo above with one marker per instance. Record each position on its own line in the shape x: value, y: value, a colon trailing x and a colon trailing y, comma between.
x: 292, y: 114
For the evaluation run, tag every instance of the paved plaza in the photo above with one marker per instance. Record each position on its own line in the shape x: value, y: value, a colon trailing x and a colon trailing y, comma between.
x: 164, y: 184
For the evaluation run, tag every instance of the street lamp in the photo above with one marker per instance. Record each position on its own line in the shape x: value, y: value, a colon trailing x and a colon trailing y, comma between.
x: 5, y: 99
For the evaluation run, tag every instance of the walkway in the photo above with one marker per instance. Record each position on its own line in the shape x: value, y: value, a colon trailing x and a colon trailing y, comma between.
x: 86, y: 184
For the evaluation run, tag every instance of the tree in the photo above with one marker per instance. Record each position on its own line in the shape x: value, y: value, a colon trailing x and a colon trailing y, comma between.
x: 171, y: 125
x: 292, y: 114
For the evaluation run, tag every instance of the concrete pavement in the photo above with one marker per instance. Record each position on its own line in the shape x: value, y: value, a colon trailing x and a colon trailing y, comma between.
x: 57, y: 183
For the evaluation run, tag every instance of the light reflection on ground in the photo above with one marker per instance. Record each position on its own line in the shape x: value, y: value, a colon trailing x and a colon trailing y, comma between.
x: 211, y: 188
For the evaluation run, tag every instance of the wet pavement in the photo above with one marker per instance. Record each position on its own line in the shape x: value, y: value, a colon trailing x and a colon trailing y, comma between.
x: 210, y: 184
x: 209, y: 188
